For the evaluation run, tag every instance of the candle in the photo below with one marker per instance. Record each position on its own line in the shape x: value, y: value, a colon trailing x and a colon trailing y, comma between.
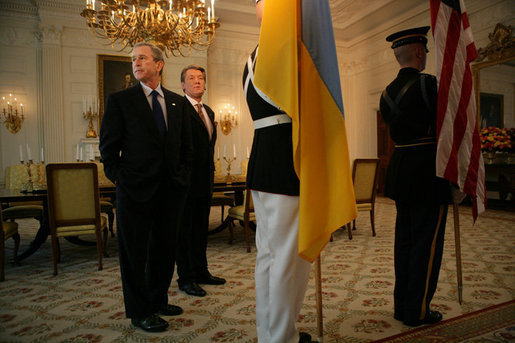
x: 213, y: 8
x: 247, y: 152
x: 77, y: 152
x: 29, y: 154
x: 21, y: 154
x: 234, y: 150
x: 42, y: 156
x: 91, y: 153
x: 224, y: 150
x: 208, y: 14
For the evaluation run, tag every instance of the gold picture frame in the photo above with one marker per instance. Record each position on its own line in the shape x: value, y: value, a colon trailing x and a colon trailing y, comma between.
x: 114, y: 74
x: 491, y: 110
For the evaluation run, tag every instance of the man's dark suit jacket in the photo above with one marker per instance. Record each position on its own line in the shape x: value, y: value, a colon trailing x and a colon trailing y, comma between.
x: 203, y: 150
x: 129, y: 126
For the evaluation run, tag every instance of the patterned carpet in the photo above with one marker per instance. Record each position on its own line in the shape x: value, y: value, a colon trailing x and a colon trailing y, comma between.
x: 493, y: 324
x: 82, y: 304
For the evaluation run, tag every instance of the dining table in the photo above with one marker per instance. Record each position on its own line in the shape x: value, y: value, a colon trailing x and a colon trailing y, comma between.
x: 234, y: 184
x: 107, y: 190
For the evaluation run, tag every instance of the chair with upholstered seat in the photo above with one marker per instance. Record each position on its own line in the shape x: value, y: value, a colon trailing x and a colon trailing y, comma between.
x: 74, y: 205
x: 9, y: 229
x: 15, y: 178
x: 222, y: 200
x: 106, y: 205
x: 364, y: 176
x: 243, y: 213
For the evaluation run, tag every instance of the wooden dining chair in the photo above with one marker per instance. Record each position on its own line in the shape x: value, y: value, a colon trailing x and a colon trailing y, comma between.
x: 74, y: 205
x: 364, y: 177
x: 222, y: 200
x: 106, y: 205
x: 243, y: 213
x: 15, y: 178
x: 9, y: 229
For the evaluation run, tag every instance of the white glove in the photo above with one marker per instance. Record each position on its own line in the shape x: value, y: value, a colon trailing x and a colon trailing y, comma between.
x: 457, y: 194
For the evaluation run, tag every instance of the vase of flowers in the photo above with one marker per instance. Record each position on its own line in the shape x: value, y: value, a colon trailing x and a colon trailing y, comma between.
x: 496, y: 145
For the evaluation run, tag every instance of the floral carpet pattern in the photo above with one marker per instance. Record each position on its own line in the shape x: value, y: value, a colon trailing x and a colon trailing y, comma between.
x: 82, y: 304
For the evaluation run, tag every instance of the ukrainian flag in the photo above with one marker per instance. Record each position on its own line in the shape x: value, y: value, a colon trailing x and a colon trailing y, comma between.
x: 297, y: 68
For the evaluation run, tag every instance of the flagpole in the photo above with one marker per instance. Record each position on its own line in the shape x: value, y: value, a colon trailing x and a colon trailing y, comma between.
x: 457, y: 243
x: 318, y: 289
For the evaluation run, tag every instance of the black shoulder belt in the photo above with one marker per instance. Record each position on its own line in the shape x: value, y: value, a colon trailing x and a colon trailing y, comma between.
x: 394, y: 105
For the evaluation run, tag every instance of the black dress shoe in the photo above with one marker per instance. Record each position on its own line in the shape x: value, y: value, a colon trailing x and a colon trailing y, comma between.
x: 192, y: 288
x: 431, y: 317
x: 169, y: 310
x: 152, y: 323
x: 304, y: 337
x: 209, y: 279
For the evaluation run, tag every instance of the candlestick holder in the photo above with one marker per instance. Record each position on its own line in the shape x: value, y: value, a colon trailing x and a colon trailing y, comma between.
x: 229, y: 160
x: 90, y: 115
x: 27, y: 187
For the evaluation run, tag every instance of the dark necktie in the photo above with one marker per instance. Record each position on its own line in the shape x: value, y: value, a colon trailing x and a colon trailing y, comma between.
x: 201, y: 114
x: 158, y: 114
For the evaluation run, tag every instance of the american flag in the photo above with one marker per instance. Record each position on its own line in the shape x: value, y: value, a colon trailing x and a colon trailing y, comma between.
x: 458, y: 158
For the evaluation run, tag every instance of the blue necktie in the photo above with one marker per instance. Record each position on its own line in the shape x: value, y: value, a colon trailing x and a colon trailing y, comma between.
x: 158, y: 114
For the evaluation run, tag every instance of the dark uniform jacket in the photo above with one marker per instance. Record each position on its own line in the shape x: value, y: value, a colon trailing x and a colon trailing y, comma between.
x: 412, y: 168
x: 270, y: 167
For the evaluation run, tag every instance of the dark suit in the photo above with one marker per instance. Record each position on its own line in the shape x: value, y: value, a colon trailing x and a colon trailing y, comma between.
x: 420, y: 197
x: 151, y: 176
x: 192, y: 235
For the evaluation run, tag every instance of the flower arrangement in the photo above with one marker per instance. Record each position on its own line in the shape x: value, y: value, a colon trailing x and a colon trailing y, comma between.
x: 495, y: 139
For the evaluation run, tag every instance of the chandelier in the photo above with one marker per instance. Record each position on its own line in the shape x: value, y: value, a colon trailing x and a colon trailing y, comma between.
x: 12, y: 117
x: 173, y: 25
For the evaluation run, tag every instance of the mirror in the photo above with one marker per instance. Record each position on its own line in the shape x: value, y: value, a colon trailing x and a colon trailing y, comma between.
x: 494, y: 79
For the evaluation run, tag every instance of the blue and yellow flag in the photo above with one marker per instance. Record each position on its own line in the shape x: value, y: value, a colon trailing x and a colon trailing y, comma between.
x: 297, y: 68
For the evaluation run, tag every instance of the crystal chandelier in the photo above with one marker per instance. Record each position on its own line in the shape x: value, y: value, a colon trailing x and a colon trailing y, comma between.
x: 173, y: 25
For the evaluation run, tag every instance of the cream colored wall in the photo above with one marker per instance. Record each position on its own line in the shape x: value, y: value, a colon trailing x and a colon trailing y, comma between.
x: 226, y: 60
x: 369, y: 66
x: 48, y: 58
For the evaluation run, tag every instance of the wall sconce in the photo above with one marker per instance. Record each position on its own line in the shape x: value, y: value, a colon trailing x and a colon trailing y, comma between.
x: 11, y: 116
x: 228, y: 118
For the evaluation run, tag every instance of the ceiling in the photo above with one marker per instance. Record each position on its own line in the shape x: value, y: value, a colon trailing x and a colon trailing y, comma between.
x: 353, y: 20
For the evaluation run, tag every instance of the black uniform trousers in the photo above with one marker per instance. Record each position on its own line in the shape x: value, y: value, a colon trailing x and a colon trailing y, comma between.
x: 419, y: 239
x: 192, y: 240
x: 146, y: 242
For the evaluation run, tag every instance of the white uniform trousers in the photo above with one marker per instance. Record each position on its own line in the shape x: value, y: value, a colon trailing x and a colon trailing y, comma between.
x: 281, y: 276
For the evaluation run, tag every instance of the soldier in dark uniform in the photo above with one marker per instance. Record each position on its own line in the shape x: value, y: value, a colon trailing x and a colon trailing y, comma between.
x: 281, y: 275
x: 408, y: 106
